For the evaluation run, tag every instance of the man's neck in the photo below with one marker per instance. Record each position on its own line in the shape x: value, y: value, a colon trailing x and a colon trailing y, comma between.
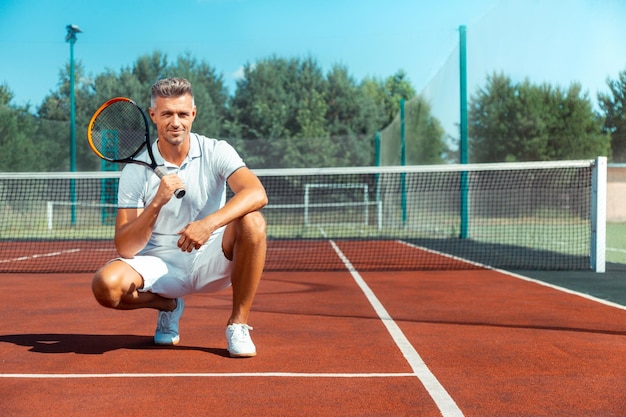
x: 174, y: 154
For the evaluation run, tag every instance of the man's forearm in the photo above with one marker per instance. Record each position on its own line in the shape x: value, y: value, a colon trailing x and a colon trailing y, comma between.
x: 133, y: 234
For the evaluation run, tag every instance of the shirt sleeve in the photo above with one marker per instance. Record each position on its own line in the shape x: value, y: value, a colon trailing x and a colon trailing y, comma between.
x: 227, y: 159
x: 131, y: 191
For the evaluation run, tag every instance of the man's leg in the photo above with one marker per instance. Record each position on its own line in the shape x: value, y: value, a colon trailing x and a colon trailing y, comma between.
x: 116, y: 286
x: 245, y: 244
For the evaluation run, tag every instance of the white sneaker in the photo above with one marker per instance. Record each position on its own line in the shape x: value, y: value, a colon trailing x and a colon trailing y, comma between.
x: 167, y: 325
x: 239, y: 342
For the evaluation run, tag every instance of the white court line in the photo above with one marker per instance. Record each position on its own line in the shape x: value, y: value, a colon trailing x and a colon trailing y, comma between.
x: 211, y: 375
x: 36, y: 256
x: 522, y: 277
x: 616, y: 250
x: 437, y: 392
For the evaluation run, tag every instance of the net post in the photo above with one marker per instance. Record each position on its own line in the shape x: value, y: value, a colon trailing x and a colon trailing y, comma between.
x: 598, y: 215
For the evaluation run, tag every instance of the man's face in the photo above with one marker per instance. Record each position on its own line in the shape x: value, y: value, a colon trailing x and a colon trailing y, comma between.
x: 173, y: 117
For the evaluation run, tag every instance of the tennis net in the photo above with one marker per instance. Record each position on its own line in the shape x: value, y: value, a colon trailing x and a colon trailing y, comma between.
x: 545, y: 215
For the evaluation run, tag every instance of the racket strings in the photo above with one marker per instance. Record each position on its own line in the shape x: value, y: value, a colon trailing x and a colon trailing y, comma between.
x: 119, y: 131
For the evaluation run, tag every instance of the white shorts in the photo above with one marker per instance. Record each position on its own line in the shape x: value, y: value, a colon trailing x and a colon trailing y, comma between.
x: 174, y: 273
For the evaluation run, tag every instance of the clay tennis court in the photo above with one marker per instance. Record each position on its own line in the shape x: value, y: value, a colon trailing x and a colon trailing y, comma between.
x: 475, y: 342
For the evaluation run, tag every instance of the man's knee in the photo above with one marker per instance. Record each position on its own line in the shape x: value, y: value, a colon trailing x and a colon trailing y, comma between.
x: 104, y: 288
x: 247, y: 233
x: 253, y: 225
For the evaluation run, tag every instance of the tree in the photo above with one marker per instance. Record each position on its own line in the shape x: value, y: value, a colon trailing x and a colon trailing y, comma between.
x: 261, y: 106
x: 6, y: 95
x: 352, y: 117
x: 389, y: 92
x: 576, y: 132
x: 284, y: 112
x: 298, y: 117
x: 53, y: 134
x: 524, y: 122
x: 424, y: 135
x: 17, y: 136
x: 613, y: 106
x: 281, y: 104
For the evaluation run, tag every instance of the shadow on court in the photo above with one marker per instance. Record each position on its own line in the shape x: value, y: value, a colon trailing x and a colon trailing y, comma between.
x: 505, y: 256
x: 92, y: 344
x: 610, y: 285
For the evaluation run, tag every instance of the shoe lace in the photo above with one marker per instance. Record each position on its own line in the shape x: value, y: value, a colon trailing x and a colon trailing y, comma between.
x: 164, y: 320
x: 241, y: 332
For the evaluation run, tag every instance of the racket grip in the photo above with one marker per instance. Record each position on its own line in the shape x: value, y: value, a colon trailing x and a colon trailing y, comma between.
x: 161, y: 172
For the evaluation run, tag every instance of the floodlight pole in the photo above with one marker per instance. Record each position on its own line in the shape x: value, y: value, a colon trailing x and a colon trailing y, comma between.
x: 72, y: 30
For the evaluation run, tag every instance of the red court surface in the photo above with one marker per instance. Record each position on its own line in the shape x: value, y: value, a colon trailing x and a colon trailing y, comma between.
x: 445, y: 343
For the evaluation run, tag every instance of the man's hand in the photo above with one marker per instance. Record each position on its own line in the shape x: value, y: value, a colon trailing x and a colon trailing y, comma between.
x: 169, y: 184
x: 194, y: 235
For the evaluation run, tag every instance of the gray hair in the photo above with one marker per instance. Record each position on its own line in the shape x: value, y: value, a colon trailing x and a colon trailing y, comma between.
x: 170, y: 87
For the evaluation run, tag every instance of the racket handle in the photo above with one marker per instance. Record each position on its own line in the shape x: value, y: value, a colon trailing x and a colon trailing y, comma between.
x: 161, y: 172
x: 180, y: 193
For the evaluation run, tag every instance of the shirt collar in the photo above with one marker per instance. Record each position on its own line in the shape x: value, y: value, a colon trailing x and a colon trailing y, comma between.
x: 194, y: 151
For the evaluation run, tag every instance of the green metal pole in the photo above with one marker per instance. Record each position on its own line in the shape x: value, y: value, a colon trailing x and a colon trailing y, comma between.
x: 72, y: 131
x: 377, y: 162
x: 72, y: 30
x: 377, y: 149
x: 72, y: 110
x: 402, y: 162
x: 464, y: 139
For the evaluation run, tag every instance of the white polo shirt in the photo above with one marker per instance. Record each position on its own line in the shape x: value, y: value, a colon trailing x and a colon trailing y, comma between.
x: 205, y: 170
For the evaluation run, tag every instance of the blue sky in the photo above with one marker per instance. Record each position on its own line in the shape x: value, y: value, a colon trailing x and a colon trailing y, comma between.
x: 554, y: 41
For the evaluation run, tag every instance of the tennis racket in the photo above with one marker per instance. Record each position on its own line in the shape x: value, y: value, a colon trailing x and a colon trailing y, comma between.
x: 118, y: 132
